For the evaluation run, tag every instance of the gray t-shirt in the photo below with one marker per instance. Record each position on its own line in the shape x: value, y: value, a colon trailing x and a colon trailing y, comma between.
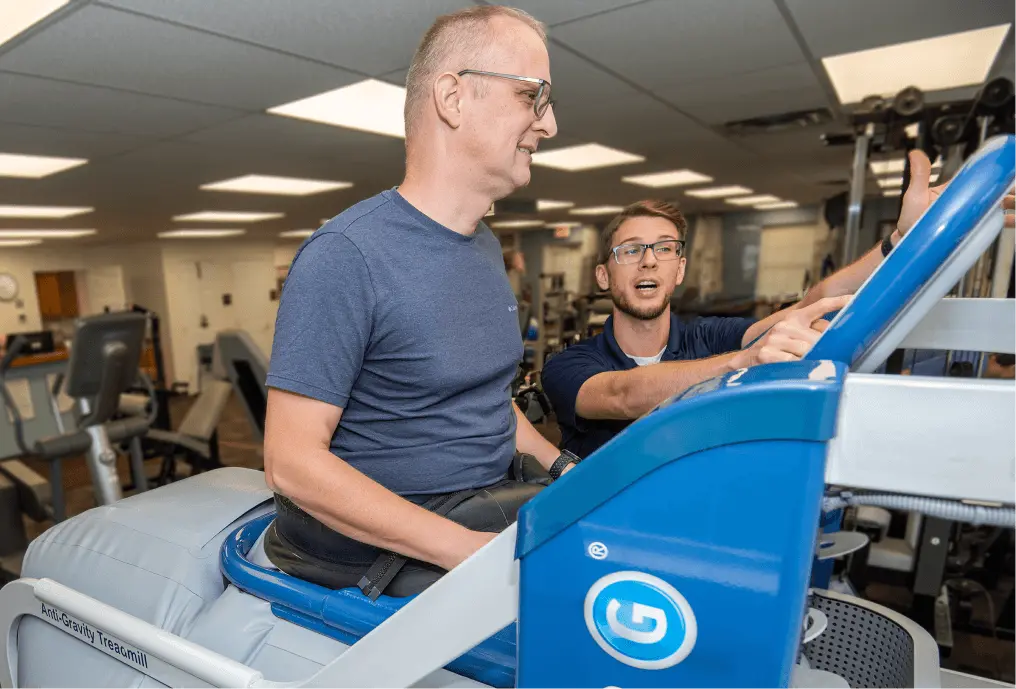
x: 412, y: 329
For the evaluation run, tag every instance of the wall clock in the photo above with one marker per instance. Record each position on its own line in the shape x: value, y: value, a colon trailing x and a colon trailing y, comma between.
x: 8, y: 287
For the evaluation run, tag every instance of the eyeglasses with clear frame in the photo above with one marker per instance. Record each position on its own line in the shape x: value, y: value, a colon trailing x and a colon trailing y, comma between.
x: 541, y: 100
x: 663, y: 250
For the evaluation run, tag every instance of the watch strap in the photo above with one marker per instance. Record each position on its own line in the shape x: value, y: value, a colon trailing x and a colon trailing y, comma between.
x: 887, y: 245
x: 563, y: 460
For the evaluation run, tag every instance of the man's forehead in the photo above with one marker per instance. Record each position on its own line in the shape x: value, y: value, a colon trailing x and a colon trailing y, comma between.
x: 518, y: 49
x: 643, y: 227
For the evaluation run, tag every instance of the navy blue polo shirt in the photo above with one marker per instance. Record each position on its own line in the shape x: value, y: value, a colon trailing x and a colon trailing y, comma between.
x: 565, y: 372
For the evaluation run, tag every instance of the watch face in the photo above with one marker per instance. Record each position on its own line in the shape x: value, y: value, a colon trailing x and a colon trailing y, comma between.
x: 8, y: 287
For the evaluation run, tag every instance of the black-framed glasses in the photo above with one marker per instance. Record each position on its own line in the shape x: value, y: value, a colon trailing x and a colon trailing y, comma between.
x: 541, y: 100
x: 663, y: 250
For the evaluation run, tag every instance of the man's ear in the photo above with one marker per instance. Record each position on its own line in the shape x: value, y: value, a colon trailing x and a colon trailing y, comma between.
x: 602, y: 277
x: 682, y: 264
x: 448, y: 99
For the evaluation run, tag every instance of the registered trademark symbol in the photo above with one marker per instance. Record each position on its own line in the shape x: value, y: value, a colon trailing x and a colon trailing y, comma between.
x: 597, y: 551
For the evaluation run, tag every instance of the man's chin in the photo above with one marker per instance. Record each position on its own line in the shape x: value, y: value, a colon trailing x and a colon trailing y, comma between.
x: 648, y: 312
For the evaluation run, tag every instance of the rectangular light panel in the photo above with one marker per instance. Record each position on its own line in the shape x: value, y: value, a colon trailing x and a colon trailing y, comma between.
x: 35, y: 167
x: 754, y: 200
x: 283, y: 186
x: 889, y: 167
x: 892, y: 192
x: 718, y: 192
x: 296, y: 234
x: 226, y: 216
x: 673, y: 178
x: 514, y: 224
x: 18, y: 15
x: 959, y: 59
x: 549, y: 205
x: 44, y: 234
x: 20, y: 242
x: 42, y: 211
x: 778, y: 205
x: 584, y: 157
x: 370, y: 106
x: 596, y: 210
x: 200, y: 234
x: 890, y: 182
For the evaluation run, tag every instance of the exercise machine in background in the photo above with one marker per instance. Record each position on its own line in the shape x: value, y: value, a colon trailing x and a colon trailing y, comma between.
x: 238, y: 369
x: 928, y: 555
x: 103, y: 364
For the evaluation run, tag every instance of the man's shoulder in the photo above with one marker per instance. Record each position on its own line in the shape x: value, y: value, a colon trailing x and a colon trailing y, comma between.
x: 591, y: 350
x: 362, y: 217
x: 347, y: 230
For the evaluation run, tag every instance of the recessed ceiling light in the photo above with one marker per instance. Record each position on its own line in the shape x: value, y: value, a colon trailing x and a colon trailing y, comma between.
x: 35, y: 167
x: 226, y: 216
x: 296, y: 234
x: 776, y: 205
x: 565, y: 224
x: 961, y: 59
x: 267, y: 184
x: 20, y: 242
x: 754, y: 200
x: 200, y: 234
x: 45, y: 234
x: 548, y: 205
x: 891, y: 192
x: 596, y: 210
x: 369, y: 106
x: 15, y: 17
x: 584, y: 157
x: 42, y: 211
x: 672, y: 178
x: 718, y: 192
x: 508, y: 224
x: 890, y: 182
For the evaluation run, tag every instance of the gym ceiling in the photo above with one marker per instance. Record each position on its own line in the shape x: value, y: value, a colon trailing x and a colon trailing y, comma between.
x: 163, y: 96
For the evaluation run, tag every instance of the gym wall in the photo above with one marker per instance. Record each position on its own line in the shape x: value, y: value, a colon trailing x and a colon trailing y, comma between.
x: 24, y: 263
x: 215, y: 286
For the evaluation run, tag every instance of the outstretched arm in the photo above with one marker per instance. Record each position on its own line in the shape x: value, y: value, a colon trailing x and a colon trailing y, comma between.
x: 630, y: 394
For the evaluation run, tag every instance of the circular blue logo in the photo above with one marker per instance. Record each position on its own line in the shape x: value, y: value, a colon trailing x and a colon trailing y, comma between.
x: 640, y: 620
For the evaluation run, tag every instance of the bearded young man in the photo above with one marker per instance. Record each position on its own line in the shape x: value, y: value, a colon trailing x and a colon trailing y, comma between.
x: 645, y: 354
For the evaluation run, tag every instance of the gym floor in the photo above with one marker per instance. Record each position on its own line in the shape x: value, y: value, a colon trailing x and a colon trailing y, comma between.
x: 974, y: 654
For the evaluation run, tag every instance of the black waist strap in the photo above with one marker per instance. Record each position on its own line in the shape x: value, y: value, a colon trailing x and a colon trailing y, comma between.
x: 389, y: 564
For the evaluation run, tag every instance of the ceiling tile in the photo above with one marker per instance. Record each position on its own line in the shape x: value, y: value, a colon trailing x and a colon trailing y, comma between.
x: 346, y: 34
x: 671, y: 42
x: 553, y: 12
x: 36, y: 140
x: 38, y: 101
x: 776, y: 90
x: 831, y: 27
x: 107, y: 47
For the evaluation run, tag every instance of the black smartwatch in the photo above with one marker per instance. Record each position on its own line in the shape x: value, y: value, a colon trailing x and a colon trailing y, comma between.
x: 887, y: 244
x: 563, y: 460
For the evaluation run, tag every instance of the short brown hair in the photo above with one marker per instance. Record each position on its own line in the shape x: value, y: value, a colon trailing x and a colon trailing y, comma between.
x: 465, y: 32
x: 642, y: 209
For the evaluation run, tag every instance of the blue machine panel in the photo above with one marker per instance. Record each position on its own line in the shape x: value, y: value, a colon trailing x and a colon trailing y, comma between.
x: 649, y: 570
x: 970, y: 196
x: 796, y: 400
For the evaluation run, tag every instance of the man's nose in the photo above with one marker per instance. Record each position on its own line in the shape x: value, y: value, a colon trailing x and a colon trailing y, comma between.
x: 548, y: 123
x: 648, y: 258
